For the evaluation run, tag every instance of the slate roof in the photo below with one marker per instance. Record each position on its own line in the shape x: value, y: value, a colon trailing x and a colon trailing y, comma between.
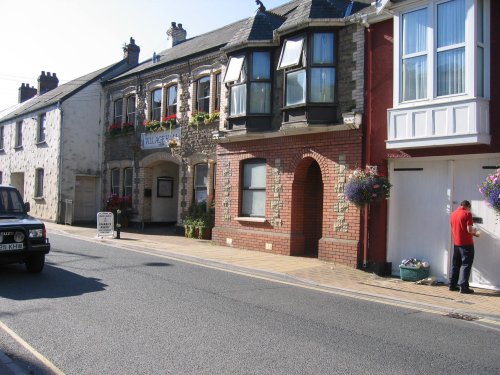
x: 211, y: 41
x: 53, y: 96
x: 257, y: 28
x: 310, y: 10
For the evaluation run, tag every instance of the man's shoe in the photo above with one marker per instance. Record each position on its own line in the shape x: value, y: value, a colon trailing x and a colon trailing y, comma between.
x: 453, y: 288
x: 467, y: 291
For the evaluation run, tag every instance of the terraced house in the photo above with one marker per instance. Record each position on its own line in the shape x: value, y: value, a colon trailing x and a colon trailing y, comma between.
x: 51, y: 143
x: 432, y: 114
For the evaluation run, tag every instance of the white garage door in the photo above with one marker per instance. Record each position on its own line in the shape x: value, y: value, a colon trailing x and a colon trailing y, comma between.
x: 418, y: 214
x: 423, y: 196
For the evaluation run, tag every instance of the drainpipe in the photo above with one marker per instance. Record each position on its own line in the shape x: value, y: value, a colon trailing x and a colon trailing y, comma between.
x: 59, y: 188
x: 368, y: 135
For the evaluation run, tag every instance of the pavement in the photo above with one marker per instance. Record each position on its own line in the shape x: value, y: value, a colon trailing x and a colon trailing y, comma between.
x: 482, y: 306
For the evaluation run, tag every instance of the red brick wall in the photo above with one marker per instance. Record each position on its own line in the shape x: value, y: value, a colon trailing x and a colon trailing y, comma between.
x: 296, y: 154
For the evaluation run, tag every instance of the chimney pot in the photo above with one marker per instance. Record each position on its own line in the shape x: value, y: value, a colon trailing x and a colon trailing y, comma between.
x: 176, y: 34
x: 26, y: 92
x: 131, y: 52
x: 47, y: 82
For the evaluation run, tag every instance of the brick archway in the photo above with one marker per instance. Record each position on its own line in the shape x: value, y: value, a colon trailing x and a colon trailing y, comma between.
x: 307, y: 209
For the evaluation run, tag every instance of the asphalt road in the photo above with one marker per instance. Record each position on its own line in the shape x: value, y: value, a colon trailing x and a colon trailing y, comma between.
x: 101, y: 310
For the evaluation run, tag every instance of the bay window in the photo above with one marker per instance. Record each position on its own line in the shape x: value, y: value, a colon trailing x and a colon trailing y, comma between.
x: 312, y: 79
x: 436, y: 54
x: 249, y: 77
x: 254, y: 188
x: 451, y: 48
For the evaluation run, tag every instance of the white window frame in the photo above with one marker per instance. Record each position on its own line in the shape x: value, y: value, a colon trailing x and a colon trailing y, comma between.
x: 39, y: 177
x: 471, y: 45
x: 253, y: 188
x: 201, y: 187
x: 130, y: 114
x: 115, y: 181
x: 19, y: 134
x: 127, y: 188
x: 41, y: 127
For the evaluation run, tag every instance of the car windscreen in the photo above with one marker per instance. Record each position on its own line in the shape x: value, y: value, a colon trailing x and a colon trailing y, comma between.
x: 10, y: 202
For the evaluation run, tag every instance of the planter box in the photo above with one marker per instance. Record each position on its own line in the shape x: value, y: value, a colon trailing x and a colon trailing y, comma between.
x: 413, y: 274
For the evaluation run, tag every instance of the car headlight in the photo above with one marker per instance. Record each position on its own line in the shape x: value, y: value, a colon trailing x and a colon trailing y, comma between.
x: 36, y: 233
x: 19, y: 236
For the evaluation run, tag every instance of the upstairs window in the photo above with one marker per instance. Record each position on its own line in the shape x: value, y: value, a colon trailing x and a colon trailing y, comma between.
x: 39, y: 176
x: 19, y: 134
x: 203, y: 95
x: 155, y: 113
x: 130, y: 110
x: 118, y: 112
x: 254, y: 188
x: 42, y: 125
x: 1, y: 137
x: 414, y: 55
x: 451, y: 48
x: 250, y: 83
x: 443, y: 50
x: 217, y: 91
x: 310, y: 68
x: 171, y: 100
x: 1, y: 177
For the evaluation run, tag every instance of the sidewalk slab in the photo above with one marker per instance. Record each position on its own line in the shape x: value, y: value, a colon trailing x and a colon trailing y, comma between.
x: 483, y: 304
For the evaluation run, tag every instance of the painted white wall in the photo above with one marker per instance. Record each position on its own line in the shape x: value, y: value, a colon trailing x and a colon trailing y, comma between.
x: 30, y: 156
x: 82, y: 137
x: 419, y: 212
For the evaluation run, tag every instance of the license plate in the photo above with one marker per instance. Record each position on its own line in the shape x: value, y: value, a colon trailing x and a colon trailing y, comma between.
x: 11, y: 246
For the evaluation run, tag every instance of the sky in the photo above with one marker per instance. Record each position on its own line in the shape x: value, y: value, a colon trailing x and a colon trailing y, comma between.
x: 74, y: 37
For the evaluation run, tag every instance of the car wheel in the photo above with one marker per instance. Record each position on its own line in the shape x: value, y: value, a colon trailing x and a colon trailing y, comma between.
x: 35, y: 263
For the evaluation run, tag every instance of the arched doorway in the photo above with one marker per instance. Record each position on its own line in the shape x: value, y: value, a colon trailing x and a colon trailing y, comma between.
x: 307, y: 208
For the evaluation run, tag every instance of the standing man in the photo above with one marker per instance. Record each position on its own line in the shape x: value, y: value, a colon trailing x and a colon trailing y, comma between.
x: 463, y: 249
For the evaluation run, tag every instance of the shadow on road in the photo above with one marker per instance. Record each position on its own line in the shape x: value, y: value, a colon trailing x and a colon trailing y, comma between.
x: 53, y: 282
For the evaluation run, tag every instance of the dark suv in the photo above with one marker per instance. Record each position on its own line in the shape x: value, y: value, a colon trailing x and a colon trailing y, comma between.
x: 22, y: 237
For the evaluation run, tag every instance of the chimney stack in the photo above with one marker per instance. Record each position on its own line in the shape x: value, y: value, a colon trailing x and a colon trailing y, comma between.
x: 176, y: 34
x: 26, y: 92
x: 131, y: 52
x: 47, y: 82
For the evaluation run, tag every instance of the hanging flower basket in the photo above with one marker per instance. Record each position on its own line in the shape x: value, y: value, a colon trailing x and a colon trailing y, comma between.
x: 199, y: 118
x: 366, y: 187
x: 490, y: 190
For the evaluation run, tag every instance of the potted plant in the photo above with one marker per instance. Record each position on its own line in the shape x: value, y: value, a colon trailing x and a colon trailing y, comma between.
x: 128, y: 128
x: 115, y: 203
x: 152, y: 126
x: 114, y: 129
x: 490, y: 190
x: 199, y: 221
x: 365, y: 187
x: 170, y: 122
x: 199, y: 118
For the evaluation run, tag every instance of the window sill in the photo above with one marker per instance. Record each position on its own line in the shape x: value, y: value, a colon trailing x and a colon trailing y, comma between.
x: 39, y: 198
x: 41, y: 143
x: 251, y: 219
x: 18, y: 148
